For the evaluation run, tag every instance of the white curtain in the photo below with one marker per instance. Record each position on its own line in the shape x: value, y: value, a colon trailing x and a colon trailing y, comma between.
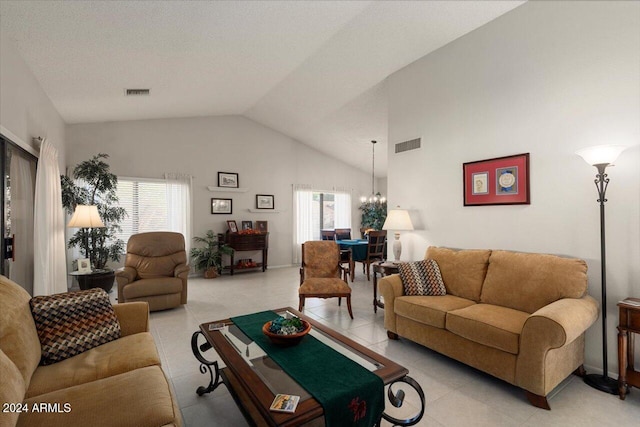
x: 302, y: 219
x: 21, y: 181
x: 179, y: 205
x: 342, y: 211
x: 50, y: 269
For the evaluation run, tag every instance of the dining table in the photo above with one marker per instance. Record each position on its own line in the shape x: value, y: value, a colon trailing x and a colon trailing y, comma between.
x: 358, y: 249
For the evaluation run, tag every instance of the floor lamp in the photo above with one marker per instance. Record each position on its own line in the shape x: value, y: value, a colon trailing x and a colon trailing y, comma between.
x: 602, y: 156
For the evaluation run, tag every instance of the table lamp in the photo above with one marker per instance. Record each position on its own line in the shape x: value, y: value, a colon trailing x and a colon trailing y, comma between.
x: 86, y: 216
x: 398, y: 220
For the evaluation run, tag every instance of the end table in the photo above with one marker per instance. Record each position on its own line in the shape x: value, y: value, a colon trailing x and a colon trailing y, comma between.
x: 629, y: 311
x: 385, y: 268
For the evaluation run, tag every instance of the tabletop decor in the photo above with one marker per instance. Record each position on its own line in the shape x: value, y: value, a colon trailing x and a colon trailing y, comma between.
x: 498, y: 181
x: 286, y: 332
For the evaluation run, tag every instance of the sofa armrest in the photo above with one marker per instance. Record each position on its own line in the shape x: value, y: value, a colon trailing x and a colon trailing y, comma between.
x: 133, y: 317
x: 553, y: 326
x: 390, y: 287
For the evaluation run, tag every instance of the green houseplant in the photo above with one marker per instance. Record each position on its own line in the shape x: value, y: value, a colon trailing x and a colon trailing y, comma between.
x: 209, y: 257
x: 93, y: 184
x: 373, y: 213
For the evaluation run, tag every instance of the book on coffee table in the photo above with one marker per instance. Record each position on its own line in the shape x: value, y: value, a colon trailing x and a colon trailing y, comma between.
x: 285, y: 403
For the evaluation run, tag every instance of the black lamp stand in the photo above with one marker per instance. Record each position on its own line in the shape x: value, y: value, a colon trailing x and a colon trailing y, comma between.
x: 603, y: 382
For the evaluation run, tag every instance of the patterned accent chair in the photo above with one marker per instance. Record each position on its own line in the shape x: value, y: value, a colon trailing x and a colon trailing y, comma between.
x: 155, y: 270
x: 321, y: 275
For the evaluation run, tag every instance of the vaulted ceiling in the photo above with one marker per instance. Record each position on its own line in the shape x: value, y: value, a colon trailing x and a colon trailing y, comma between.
x: 314, y: 71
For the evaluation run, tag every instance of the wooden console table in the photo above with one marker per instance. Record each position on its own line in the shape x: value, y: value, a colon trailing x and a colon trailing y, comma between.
x: 247, y: 242
x: 629, y: 325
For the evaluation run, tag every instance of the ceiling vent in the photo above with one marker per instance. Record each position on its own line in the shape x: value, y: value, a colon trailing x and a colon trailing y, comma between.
x: 412, y: 144
x: 137, y: 92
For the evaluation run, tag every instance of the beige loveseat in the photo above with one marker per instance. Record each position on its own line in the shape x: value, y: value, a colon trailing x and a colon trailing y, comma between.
x: 119, y: 383
x: 520, y: 317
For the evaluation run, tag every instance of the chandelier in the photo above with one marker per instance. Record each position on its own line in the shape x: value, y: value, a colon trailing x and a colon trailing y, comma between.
x: 373, y: 197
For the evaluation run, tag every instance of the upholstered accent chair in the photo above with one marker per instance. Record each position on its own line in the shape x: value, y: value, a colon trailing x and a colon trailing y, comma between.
x: 375, y: 250
x: 321, y: 275
x: 155, y: 270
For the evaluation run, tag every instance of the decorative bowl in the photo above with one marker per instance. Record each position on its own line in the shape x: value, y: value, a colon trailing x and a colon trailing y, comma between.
x: 286, y: 340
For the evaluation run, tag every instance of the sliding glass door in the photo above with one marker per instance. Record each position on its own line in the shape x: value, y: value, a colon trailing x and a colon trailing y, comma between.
x: 18, y: 191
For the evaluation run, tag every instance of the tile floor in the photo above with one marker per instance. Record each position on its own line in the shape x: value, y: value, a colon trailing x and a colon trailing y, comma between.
x: 456, y: 395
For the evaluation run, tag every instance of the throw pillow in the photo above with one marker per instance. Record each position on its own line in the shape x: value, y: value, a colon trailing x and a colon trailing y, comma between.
x: 421, y: 278
x: 71, y: 323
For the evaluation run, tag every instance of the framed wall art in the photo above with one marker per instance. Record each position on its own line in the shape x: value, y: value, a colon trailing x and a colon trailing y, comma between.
x: 221, y: 206
x: 499, y: 181
x: 264, y: 201
x: 262, y: 226
x: 228, y: 179
x: 247, y: 225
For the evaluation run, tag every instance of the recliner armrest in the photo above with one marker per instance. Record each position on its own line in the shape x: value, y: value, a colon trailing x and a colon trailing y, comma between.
x: 126, y: 275
x: 133, y: 317
x: 181, y: 271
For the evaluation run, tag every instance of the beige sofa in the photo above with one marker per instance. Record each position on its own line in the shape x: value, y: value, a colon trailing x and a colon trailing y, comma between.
x: 519, y: 317
x: 115, y: 384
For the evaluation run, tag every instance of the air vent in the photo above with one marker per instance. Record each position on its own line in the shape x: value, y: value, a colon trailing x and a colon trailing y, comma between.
x: 137, y: 92
x: 413, y: 144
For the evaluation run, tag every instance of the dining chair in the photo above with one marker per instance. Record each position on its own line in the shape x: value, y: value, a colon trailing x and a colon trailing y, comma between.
x: 321, y: 275
x: 343, y: 234
x: 327, y: 235
x: 375, y: 250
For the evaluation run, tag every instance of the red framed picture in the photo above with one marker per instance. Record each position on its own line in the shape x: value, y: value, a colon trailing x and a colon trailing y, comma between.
x: 499, y: 181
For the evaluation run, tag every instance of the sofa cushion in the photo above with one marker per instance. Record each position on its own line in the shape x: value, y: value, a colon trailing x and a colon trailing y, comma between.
x: 148, y: 287
x: 528, y: 282
x: 137, y: 398
x: 113, y: 358
x: 490, y: 325
x: 11, y: 389
x: 73, y: 322
x: 421, y: 278
x: 430, y: 310
x: 18, y: 334
x: 463, y: 271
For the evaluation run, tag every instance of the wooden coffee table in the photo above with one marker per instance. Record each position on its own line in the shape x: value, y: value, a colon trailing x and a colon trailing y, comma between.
x: 253, y: 379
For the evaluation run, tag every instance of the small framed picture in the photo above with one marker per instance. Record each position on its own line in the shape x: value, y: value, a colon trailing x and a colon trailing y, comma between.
x: 264, y: 201
x: 228, y: 179
x: 233, y: 227
x: 261, y: 226
x: 84, y: 265
x: 498, y: 181
x: 247, y: 225
x: 221, y: 206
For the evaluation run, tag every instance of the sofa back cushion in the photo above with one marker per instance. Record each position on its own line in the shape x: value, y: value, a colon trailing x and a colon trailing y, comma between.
x: 463, y: 270
x: 528, y: 282
x: 18, y: 335
x: 155, y: 254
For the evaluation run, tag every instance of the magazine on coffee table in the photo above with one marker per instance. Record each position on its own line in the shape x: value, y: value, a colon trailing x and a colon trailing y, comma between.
x: 285, y: 403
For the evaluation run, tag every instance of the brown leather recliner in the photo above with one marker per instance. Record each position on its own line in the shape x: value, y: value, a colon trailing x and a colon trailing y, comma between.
x: 155, y: 270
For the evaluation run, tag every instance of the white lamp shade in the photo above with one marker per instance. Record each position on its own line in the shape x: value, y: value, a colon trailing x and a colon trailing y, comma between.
x: 85, y: 217
x: 601, y: 154
x: 398, y: 219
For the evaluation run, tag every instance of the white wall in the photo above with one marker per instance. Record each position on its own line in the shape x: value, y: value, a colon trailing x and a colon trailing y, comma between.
x: 267, y: 162
x: 25, y: 110
x: 548, y: 78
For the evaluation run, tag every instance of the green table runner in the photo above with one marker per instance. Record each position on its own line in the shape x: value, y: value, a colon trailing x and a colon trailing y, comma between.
x: 350, y: 394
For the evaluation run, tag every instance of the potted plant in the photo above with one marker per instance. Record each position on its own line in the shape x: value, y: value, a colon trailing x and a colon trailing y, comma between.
x: 209, y: 257
x: 93, y: 184
x: 373, y: 214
